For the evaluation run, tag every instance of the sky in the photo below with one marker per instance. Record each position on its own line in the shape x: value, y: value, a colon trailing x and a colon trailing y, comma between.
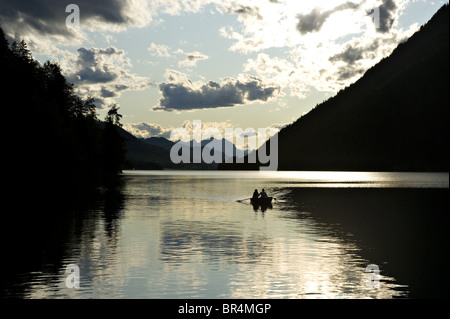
x: 227, y: 63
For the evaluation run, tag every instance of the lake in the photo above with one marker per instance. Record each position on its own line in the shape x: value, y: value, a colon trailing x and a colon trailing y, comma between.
x: 194, y: 234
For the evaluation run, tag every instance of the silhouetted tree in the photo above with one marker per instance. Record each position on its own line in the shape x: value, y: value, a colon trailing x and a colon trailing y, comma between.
x: 113, y: 116
x: 59, y: 138
x: 4, y: 46
x: 113, y: 143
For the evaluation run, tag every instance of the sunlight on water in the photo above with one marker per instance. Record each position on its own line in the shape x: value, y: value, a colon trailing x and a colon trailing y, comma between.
x: 194, y: 235
x: 322, y: 178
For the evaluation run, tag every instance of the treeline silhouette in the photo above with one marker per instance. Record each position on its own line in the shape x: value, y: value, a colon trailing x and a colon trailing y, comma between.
x: 395, y: 118
x: 55, y: 144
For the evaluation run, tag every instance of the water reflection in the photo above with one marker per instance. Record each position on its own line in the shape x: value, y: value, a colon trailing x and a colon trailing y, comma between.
x: 404, y: 231
x: 212, y: 243
x: 263, y: 206
x: 47, y: 235
x: 187, y: 236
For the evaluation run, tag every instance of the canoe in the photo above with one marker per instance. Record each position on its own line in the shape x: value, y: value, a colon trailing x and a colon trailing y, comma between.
x: 267, y: 201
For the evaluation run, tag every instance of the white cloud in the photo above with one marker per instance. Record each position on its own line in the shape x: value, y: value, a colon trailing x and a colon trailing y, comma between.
x: 278, y: 70
x: 329, y: 44
x: 189, y: 59
x: 146, y: 130
x: 207, y: 127
x: 192, y: 58
x: 175, y: 76
x: 159, y: 50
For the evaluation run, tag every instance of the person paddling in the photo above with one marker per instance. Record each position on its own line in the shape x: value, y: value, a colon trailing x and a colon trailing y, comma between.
x: 255, y: 194
x: 263, y: 194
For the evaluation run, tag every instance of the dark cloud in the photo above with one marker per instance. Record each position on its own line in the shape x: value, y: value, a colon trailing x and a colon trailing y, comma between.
x: 313, y: 21
x: 49, y: 16
x: 105, y: 93
x: 353, y: 53
x: 349, y: 55
x: 92, y: 66
x: 347, y: 72
x: 103, y: 74
x: 254, y: 90
x: 184, y: 96
x: 387, y: 15
x: 383, y: 16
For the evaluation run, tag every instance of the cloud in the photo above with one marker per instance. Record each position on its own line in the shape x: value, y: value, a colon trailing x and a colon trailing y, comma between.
x: 277, y: 70
x: 299, y: 45
x: 348, y: 72
x: 159, y: 50
x: 106, y: 93
x: 323, y: 49
x: 95, y: 66
x: 313, y: 21
x: 189, y: 96
x: 42, y: 23
x: 246, y: 11
x: 48, y: 17
x: 192, y: 58
x: 358, y: 56
x: 370, y: 50
x: 350, y: 55
x: 388, y: 12
x: 359, y: 53
x: 146, y: 130
x: 103, y: 74
x: 175, y: 76
x: 164, y: 51
x: 207, y: 127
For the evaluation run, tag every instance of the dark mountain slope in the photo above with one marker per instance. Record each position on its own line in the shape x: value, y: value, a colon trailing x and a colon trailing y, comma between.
x: 159, y: 141
x: 143, y: 155
x: 394, y: 118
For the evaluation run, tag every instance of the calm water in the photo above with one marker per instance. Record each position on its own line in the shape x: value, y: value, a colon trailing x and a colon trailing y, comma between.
x: 165, y: 234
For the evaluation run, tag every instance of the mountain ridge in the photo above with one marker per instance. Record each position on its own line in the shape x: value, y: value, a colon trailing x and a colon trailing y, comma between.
x: 394, y: 118
x: 154, y: 152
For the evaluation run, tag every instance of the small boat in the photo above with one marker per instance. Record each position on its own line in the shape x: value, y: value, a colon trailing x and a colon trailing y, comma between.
x: 262, y: 201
